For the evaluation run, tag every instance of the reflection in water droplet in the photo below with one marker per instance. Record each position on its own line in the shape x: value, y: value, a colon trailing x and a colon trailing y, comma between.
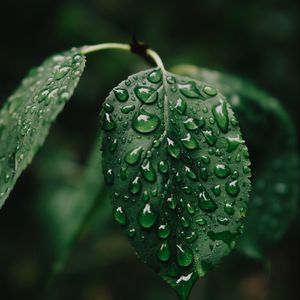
x: 108, y: 108
x: 144, y: 122
x: 121, y: 94
x: 221, y: 115
x: 229, y: 209
x: 192, y: 236
x: 184, y: 255
x: 146, y: 94
x: 171, y: 202
x: 147, y: 217
x: 134, y: 156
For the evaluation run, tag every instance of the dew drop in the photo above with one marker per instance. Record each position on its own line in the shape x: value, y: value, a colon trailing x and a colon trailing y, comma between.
x: 229, y: 209
x: 131, y: 232
x: 220, y: 113
x: 164, y: 252
x: 209, y: 137
x: 113, y: 146
x: 134, y: 156
x: 121, y: 94
x: 127, y: 108
x: 164, y: 231
x: 221, y: 170
x: 155, y: 76
x: 171, y: 202
x: 203, y: 174
x: 135, y: 186
x: 144, y: 122
x: 223, y: 220
x: 210, y: 91
x: 232, y: 188
x: 184, y: 255
x: 61, y: 72
x: 108, y: 123
x: 148, y: 171
x: 191, y: 237
x: 191, y: 124
x: 189, y: 142
x: 172, y: 148
x: 108, y: 108
x: 233, y: 143
x: 189, y: 90
x: 189, y: 173
x: 120, y: 216
x: 206, y: 203
x: 147, y: 217
x: 109, y: 177
x: 163, y: 167
x: 216, y: 190
x: 185, y: 222
x: 145, y: 94
x: 180, y: 106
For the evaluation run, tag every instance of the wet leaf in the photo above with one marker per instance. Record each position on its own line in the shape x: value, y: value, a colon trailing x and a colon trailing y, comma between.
x: 271, y: 139
x: 28, y: 114
x: 175, y: 166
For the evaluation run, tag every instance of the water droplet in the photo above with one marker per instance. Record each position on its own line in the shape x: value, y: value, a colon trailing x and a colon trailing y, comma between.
x: 221, y: 170
x: 145, y: 122
x: 120, y: 216
x: 191, y: 124
x: 155, y: 76
x: 223, y: 220
x: 113, y: 145
x: 163, y: 167
x: 121, y: 94
x: 189, y: 173
x: 127, y: 108
x: 164, y: 252
x: 206, y: 203
x: 61, y: 72
x: 184, y: 256
x: 135, y: 185
x: 134, y: 156
x: 172, y: 148
x: 216, y: 190
x: 108, y: 123
x: 220, y: 113
x: 203, y: 174
x: 185, y: 222
x: 229, y: 209
x: 189, y: 90
x: 131, y: 232
x: 171, y: 202
x: 127, y: 82
x: 192, y: 236
x: 156, y: 143
x: 233, y: 143
x: 180, y: 106
x: 205, y: 159
x: 209, y: 137
x: 147, y: 217
x: 146, y: 196
x: 189, y: 142
x: 42, y: 95
x: 109, y: 177
x: 171, y: 79
x: 246, y: 170
x: 164, y: 231
x: 108, y: 108
x: 191, y: 210
x: 210, y: 91
x: 201, y: 221
x: 232, y: 188
x: 148, y: 171
x: 145, y: 94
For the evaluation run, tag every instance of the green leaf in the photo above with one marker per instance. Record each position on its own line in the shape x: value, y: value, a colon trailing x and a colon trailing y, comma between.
x: 271, y: 139
x: 28, y: 114
x: 68, y: 195
x: 178, y: 172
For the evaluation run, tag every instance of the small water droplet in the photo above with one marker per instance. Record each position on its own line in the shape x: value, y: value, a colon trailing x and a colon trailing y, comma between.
x: 147, y: 217
x: 121, y: 94
x: 108, y: 108
x: 113, y: 145
x: 163, y: 167
x: 164, y: 252
x: 164, y: 231
x: 221, y: 170
x: 206, y: 203
x: 229, y: 209
x: 232, y: 188
x: 180, y: 106
x: 120, y: 216
x: 127, y: 108
x: 223, y: 220
x: 233, y: 143
x: 61, y: 72
x: 146, y: 196
x: 131, y: 232
x: 209, y: 137
x: 148, y: 171
x: 135, y: 185
x: 192, y: 236
x: 189, y: 142
x: 172, y: 148
x: 216, y: 190
x: 184, y: 255
x: 134, y: 156
x: 185, y: 222
x: 189, y: 173
x: 171, y: 202
x: 210, y: 91
x: 146, y: 94
x: 155, y: 76
x: 108, y: 123
x: 189, y: 90
x: 144, y: 122
x: 201, y: 221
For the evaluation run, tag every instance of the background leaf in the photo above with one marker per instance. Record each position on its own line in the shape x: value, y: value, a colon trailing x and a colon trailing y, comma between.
x: 178, y: 170
x: 275, y: 160
x: 28, y: 114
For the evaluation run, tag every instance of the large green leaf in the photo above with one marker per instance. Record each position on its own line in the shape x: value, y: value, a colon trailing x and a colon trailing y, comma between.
x: 28, y: 114
x: 178, y: 172
x: 271, y: 139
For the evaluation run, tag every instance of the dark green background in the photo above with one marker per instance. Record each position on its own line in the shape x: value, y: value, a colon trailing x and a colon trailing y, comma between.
x: 254, y: 39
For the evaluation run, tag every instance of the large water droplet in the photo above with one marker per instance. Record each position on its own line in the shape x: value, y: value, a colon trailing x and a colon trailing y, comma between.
x: 135, y: 185
x: 221, y: 170
x: 164, y: 231
x: 146, y: 94
x: 164, y: 252
x: 232, y: 188
x: 134, y: 156
x: 209, y: 136
x: 147, y: 217
x: 206, y: 203
x: 220, y: 113
x: 180, y: 106
x: 233, y: 143
x: 172, y: 148
x: 121, y: 94
x: 120, y: 216
x: 189, y: 142
x: 184, y: 256
x: 155, y: 76
x: 108, y: 123
x: 210, y: 91
x: 145, y: 122
x: 148, y: 171
x: 189, y: 90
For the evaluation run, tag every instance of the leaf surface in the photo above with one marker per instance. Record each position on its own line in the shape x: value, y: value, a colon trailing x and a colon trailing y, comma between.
x: 29, y: 113
x: 271, y: 139
x: 178, y: 172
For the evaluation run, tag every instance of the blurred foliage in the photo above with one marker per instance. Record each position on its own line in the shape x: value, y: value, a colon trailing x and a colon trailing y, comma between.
x: 255, y: 39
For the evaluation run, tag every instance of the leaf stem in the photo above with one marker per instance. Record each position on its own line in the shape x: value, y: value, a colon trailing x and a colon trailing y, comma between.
x: 149, y: 52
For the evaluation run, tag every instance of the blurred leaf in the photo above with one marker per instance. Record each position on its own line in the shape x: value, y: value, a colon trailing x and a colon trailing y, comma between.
x: 271, y: 138
x: 28, y: 114
x: 169, y: 156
